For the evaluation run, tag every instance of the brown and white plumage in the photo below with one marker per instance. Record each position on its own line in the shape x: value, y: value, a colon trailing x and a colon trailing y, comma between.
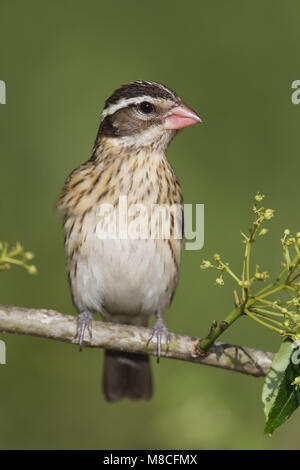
x: 125, y: 280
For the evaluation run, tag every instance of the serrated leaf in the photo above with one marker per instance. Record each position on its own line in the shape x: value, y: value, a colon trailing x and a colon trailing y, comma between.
x: 287, y: 400
x: 275, y: 375
x: 281, y: 398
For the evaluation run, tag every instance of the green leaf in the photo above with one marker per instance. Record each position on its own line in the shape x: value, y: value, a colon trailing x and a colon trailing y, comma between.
x: 275, y: 374
x: 281, y: 398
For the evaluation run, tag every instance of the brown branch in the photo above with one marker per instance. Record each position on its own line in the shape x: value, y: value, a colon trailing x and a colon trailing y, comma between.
x: 54, y: 325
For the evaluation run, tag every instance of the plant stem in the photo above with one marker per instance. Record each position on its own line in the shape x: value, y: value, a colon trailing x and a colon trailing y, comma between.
x: 269, y: 312
x: 266, y: 317
x: 216, y: 332
x: 294, y: 278
x: 6, y: 259
x: 254, y: 317
x: 277, y: 289
x: 247, y: 258
x: 279, y: 277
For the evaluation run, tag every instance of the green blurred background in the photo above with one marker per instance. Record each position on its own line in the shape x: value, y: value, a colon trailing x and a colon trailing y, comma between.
x: 234, y: 63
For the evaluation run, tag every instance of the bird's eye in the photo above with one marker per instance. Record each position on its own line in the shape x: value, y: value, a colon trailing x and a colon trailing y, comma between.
x: 146, y: 107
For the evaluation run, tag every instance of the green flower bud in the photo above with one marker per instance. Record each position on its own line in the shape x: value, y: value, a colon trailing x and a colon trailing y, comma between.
x: 219, y: 281
x: 263, y: 232
x: 31, y: 269
x: 28, y: 255
x: 259, y: 197
x: 269, y: 213
x: 206, y: 264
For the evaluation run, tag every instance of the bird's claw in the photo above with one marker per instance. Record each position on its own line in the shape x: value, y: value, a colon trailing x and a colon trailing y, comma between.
x: 84, y: 320
x: 158, y: 330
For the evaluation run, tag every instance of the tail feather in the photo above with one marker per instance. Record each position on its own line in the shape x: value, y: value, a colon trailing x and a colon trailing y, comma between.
x: 126, y: 375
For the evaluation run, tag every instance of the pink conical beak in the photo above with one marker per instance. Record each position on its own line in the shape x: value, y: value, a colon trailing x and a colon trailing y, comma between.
x: 179, y: 117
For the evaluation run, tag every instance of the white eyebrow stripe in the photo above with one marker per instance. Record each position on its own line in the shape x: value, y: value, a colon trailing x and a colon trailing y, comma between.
x: 123, y: 103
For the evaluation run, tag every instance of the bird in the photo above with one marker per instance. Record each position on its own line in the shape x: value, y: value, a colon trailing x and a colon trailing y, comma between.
x: 126, y: 280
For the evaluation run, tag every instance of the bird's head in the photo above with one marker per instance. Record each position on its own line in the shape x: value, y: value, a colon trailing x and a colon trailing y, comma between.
x: 145, y: 114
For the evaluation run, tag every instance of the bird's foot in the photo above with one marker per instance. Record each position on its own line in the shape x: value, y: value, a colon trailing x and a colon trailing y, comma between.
x: 84, y: 320
x: 159, y: 329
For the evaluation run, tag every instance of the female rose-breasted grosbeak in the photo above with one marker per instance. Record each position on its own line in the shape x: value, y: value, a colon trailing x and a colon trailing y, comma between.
x: 125, y: 280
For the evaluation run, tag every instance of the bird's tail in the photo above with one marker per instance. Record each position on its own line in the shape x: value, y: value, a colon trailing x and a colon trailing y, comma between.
x: 126, y: 375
